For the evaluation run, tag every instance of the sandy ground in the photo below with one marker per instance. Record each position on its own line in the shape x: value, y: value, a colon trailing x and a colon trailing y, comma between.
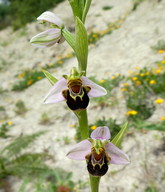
x: 124, y: 49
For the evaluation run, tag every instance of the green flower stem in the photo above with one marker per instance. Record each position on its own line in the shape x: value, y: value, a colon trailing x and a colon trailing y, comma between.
x: 94, y: 182
x: 83, y: 123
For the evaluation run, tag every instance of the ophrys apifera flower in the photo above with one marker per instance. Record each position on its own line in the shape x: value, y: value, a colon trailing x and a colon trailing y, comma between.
x: 76, y: 89
x: 99, y: 152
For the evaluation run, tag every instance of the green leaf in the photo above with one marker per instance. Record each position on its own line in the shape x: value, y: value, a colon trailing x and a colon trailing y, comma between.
x: 69, y: 37
x: 77, y: 8
x: 50, y: 77
x: 119, y: 137
x: 86, y: 9
x: 20, y: 143
x: 81, y: 48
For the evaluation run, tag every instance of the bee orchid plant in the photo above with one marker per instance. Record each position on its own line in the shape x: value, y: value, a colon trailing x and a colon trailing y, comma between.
x: 76, y: 90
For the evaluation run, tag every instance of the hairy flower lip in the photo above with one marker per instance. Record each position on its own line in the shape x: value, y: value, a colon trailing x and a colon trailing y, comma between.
x: 80, y: 151
x: 55, y: 94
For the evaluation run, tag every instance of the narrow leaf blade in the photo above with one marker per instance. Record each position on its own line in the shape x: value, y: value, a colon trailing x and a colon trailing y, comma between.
x: 81, y: 44
x: 50, y: 77
x: 119, y: 137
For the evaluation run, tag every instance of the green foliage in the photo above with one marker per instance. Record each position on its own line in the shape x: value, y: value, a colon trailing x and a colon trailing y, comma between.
x: 29, y: 76
x: 54, y: 181
x: 109, y: 85
x: 149, y: 126
x: 151, y: 189
x: 19, y: 12
x: 20, y: 108
x: 136, y: 3
x: 4, y: 128
x: 141, y: 85
x: 45, y: 119
x: 93, y: 37
x: 14, y: 162
x: 4, y: 11
x: 3, y: 113
x: 159, y: 46
x: 20, y: 143
x: 107, y: 8
x: 3, y: 64
x: 31, y: 167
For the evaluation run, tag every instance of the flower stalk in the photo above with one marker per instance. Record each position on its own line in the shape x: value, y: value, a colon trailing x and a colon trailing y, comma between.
x: 83, y: 123
x: 94, y: 183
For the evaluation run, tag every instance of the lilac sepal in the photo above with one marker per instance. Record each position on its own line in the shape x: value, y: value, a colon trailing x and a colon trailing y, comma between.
x: 47, y: 38
x: 96, y: 90
x: 101, y: 133
x: 55, y: 94
x: 117, y: 156
x: 80, y: 150
x: 51, y: 18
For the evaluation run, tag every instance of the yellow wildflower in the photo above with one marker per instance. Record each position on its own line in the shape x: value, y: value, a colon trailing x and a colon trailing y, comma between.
x: 131, y: 93
x: 19, y: 76
x: 162, y: 118
x: 60, y: 62
x: 130, y: 71
x: 147, y: 73
x: 113, y: 77
x: 159, y: 101
x: 9, y: 122
x: 125, y: 84
x: 39, y: 77
x: 94, y: 35
x: 102, y: 81
x: 163, y: 62
x: 134, y: 78
x: 133, y: 112
x: 160, y: 51
x: 93, y: 127
x: 102, y: 32
x: 50, y: 64
x: 137, y: 68
x: 29, y: 82
x: 123, y: 89
x: 138, y: 82
x: 72, y: 125
x: 142, y: 74
x: 152, y: 82
x: 69, y: 55
x: 158, y: 71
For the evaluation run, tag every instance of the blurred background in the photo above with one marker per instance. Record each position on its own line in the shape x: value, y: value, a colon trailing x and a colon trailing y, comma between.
x: 126, y: 56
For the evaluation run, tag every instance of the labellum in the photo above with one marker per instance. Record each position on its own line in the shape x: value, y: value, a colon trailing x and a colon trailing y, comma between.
x: 97, y: 164
x: 76, y: 96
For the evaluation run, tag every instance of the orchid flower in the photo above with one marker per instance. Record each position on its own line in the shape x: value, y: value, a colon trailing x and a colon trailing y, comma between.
x: 98, y: 151
x: 75, y: 89
x: 51, y: 36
